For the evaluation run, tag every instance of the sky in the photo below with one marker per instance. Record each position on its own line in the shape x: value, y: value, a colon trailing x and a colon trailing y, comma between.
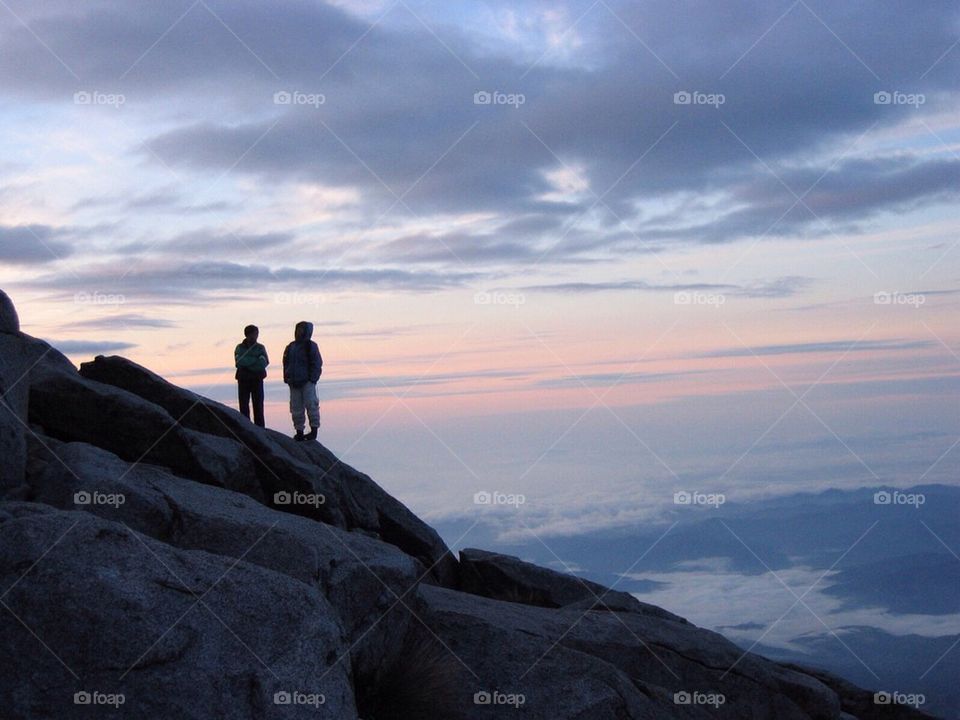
x: 587, y: 253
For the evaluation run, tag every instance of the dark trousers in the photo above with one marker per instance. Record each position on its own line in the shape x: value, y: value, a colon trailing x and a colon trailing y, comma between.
x: 254, y: 388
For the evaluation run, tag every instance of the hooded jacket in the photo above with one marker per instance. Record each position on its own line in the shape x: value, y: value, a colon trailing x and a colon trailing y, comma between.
x: 302, y: 362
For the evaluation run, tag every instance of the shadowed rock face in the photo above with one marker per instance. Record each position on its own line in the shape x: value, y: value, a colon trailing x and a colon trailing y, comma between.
x: 178, y: 634
x: 22, y: 358
x: 504, y: 577
x: 278, y: 464
x: 9, y: 320
x: 144, y: 553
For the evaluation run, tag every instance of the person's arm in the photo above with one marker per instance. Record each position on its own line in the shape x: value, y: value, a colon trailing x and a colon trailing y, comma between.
x: 260, y: 361
x: 240, y: 356
x: 316, y: 363
x: 286, y: 364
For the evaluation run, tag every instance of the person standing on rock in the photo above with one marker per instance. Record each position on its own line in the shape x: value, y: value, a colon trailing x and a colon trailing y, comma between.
x: 302, y: 367
x: 250, y: 358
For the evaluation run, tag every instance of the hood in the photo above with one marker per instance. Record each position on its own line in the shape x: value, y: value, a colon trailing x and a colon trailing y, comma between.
x: 306, y: 327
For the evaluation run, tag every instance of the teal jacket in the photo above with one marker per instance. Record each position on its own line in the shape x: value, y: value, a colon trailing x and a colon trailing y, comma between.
x: 251, y: 360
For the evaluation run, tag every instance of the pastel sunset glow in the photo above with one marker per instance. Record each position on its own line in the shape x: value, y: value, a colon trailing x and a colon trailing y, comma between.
x: 591, y: 253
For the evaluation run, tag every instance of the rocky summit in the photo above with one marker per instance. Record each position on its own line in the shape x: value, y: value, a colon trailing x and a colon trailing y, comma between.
x: 162, y: 557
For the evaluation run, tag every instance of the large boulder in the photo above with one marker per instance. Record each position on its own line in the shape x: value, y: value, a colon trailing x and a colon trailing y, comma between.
x: 9, y: 320
x: 352, y: 497
x: 505, y: 577
x: 859, y: 703
x: 21, y: 359
x: 72, y: 408
x: 363, y: 579
x: 578, y: 664
x: 94, y: 611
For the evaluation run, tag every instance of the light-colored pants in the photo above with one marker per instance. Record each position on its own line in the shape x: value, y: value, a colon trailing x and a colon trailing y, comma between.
x: 304, y: 399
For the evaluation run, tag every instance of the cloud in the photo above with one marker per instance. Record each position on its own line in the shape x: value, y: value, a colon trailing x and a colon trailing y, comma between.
x: 209, y: 243
x: 165, y: 200
x: 830, y: 346
x: 779, y: 287
x: 89, y: 347
x: 409, y: 134
x: 185, y: 280
x: 122, y: 322
x: 31, y: 245
x: 713, y: 597
x: 841, y: 196
x: 388, y: 386
x: 612, y: 378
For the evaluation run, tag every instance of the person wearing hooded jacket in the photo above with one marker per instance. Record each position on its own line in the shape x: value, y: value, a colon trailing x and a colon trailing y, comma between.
x: 302, y: 367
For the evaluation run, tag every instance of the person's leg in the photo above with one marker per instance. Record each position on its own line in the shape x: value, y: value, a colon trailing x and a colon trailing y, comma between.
x: 312, y: 404
x: 244, y: 392
x: 258, y: 403
x: 296, y: 409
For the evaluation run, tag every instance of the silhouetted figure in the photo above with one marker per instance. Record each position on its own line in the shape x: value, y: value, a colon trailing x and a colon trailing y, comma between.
x: 251, y: 360
x: 302, y: 367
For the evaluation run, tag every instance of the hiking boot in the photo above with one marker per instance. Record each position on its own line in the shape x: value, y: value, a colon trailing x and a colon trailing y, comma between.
x: 299, y: 437
x: 312, y: 435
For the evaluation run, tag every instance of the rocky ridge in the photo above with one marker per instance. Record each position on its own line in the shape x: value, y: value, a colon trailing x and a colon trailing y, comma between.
x: 162, y: 557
